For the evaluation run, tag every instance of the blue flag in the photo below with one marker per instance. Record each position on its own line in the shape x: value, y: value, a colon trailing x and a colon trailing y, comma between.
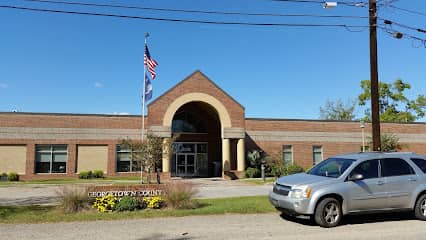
x: 148, y: 88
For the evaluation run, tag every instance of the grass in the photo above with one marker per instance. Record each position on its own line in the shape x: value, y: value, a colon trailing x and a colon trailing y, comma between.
x: 43, y: 214
x: 259, y: 181
x: 114, y: 180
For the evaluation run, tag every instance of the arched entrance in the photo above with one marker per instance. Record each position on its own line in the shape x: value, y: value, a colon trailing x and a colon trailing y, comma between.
x: 198, y: 147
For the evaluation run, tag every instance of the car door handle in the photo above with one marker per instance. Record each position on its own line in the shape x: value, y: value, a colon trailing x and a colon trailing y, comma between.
x: 412, y: 179
x: 380, y: 183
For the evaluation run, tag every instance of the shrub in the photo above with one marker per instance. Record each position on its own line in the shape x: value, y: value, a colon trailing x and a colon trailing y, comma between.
x: 252, y: 172
x: 154, y: 202
x: 85, y: 175
x: 127, y: 203
x: 105, y: 204
x: 98, y: 174
x: 180, y: 194
x: 293, y: 168
x: 3, y: 175
x: 73, y: 200
x: 12, y: 177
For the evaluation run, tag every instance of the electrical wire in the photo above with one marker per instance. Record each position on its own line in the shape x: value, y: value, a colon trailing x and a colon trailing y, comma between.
x: 407, y: 10
x: 422, y: 41
x: 389, y: 22
x: 191, y: 11
x: 354, y: 4
x: 180, y: 20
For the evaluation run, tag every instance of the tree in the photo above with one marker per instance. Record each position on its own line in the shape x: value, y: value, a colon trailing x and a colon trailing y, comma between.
x: 393, y: 104
x: 148, y: 154
x: 389, y: 142
x: 338, y: 110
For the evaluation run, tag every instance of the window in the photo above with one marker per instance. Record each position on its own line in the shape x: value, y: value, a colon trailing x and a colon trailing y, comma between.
x: 288, y: 154
x: 395, y: 167
x: 317, y: 154
x: 127, y: 160
x: 368, y: 169
x: 51, y: 158
x: 188, y: 122
x: 421, y: 163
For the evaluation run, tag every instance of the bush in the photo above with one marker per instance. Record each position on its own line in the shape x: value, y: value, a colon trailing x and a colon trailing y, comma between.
x: 293, y: 168
x: 3, y: 175
x: 85, y: 175
x: 127, y: 203
x: 252, y: 172
x: 179, y: 195
x: 105, y: 204
x: 12, y: 177
x: 98, y: 174
x: 73, y: 200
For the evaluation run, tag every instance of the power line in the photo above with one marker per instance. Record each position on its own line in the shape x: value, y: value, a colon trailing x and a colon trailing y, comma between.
x: 395, y: 34
x: 390, y: 23
x: 354, y: 4
x: 407, y: 10
x: 191, y: 11
x: 181, y: 20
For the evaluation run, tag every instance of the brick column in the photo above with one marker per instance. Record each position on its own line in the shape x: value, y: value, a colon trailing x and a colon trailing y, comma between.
x: 111, y: 165
x: 72, y: 159
x: 30, y: 163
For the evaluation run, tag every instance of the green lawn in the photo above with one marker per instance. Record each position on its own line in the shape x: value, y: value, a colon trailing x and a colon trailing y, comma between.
x: 42, y: 214
x: 112, y: 180
x: 259, y: 181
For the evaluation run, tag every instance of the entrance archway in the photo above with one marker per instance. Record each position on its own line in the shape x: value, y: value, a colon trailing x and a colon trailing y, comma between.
x: 198, y: 147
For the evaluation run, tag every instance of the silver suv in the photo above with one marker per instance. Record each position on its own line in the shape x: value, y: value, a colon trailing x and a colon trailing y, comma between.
x: 354, y: 183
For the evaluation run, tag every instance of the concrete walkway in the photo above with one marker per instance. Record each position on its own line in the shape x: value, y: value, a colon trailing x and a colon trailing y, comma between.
x: 47, y: 194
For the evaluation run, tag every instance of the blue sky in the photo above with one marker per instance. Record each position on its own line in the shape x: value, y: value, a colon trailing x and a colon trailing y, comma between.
x: 86, y: 64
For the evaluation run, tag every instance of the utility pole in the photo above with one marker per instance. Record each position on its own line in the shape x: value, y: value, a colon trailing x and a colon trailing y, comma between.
x: 374, y: 76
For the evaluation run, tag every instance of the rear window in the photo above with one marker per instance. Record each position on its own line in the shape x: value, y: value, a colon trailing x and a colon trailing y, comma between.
x: 421, y: 163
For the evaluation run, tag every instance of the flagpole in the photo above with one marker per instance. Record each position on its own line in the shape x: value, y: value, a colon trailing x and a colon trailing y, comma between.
x: 143, y: 100
x: 143, y: 92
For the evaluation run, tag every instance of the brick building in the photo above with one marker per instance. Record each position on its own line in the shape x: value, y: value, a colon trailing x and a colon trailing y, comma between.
x: 214, y: 137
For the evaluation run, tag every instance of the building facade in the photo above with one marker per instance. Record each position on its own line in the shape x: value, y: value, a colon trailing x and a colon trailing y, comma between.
x: 213, y: 137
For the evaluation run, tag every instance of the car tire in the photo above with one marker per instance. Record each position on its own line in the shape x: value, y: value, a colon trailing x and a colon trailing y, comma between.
x: 328, y: 213
x: 420, y: 208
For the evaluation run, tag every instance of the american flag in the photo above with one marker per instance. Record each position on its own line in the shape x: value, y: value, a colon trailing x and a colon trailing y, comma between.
x: 150, y: 62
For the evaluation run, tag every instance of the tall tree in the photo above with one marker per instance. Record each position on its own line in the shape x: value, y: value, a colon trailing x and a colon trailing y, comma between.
x: 393, y: 103
x: 338, y: 110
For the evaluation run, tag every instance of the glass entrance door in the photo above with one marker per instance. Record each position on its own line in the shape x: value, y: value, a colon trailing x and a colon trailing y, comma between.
x: 185, y: 164
x: 190, y: 160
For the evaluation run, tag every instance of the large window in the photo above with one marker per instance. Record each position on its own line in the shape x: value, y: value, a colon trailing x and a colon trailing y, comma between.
x: 317, y: 154
x: 188, y: 122
x: 51, y: 158
x: 127, y: 160
x: 288, y: 154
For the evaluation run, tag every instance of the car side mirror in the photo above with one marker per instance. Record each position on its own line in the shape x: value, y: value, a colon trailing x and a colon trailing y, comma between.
x: 355, y: 177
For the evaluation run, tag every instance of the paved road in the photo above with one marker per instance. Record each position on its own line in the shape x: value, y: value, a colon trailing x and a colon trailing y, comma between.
x: 48, y: 194
x: 256, y: 226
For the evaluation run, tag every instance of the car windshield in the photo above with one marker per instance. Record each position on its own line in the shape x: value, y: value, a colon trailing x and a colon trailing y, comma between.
x: 332, y: 167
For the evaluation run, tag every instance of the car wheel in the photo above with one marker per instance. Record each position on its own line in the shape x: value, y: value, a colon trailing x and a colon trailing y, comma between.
x: 420, y: 208
x: 328, y: 213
